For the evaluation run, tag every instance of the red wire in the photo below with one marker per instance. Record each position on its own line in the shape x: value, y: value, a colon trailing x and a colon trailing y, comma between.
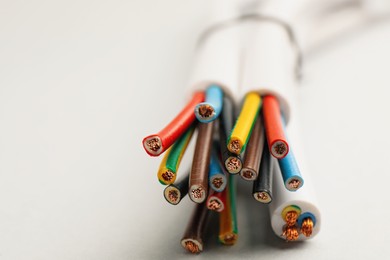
x: 274, y: 126
x: 169, y: 134
x: 220, y: 195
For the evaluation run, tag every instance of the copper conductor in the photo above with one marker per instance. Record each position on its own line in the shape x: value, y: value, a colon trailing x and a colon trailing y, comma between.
x: 192, y: 247
x: 235, y: 146
x: 247, y: 174
x: 214, y: 204
x: 307, y: 227
x: 167, y: 176
x: 229, y: 238
x: 217, y: 182
x: 280, y: 148
x: 153, y: 144
x: 263, y: 196
x: 197, y: 193
x: 233, y: 164
x: 291, y: 218
x: 205, y: 111
x: 291, y: 233
x: 173, y: 195
x: 294, y: 184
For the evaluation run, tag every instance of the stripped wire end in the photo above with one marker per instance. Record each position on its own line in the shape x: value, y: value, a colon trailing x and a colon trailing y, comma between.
x: 294, y: 184
x: 291, y: 218
x: 248, y: 174
x: 197, y: 194
x: 192, y: 247
x: 307, y: 227
x: 235, y: 147
x: 153, y: 145
x: 279, y: 149
x: 263, y: 197
x: 167, y: 176
x: 233, y: 165
x: 205, y: 112
x: 290, y: 233
x: 217, y: 182
x: 214, y: 204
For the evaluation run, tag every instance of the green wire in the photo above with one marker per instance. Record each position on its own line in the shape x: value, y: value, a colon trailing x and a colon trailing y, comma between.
x: 178, y: 150
x: 232, y: 198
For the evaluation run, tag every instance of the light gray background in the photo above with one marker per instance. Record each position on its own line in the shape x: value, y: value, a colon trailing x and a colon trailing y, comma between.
x: 81, y: 82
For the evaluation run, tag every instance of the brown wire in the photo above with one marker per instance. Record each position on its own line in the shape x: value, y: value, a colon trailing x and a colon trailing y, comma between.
x: 192, y: 238
x: 254, y: 151
x: 200, y: 165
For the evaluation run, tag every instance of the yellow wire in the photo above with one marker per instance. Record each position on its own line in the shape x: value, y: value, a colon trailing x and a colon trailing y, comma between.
x: 243, y: 126
x: 163, y: 169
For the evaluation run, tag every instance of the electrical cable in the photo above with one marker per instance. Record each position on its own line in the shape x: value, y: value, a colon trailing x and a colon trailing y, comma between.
x: 262, y: 186
x: 232, y: 162
x: 175, y: 192
x: 169, y: 165
x: 210, y: 109
x: 192, y: 239
x: 216, y: 200
x: 253, y: 152
x: 156, y: 144
x: 243, y: 126
x: 217, y: 177
x: 200, y: 164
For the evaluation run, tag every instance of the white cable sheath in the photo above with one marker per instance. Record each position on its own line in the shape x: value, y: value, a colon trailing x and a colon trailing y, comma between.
x: 304, y: 198
x: 269, y: 63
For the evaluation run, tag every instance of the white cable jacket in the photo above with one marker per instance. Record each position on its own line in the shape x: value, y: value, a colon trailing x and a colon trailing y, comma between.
x: 269, y: 63
x: 217, y: 61
x: 303, y: 198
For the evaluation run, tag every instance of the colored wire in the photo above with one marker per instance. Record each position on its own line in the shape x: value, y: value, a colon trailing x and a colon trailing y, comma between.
x: 174, y: 193
x: 242, y: 129
x: 291, y: 174
x: 200, y: 165
x: 306, y: 223
x: 253, y: 152
x: 192, y: 238
x: 232, y: 162
x: 228, y: 231
x: 169, y: 165
x: 262, y: 186
x: 210, y: 109
x: 217, y: 177
x: 277, y: 141
x: 156, y: 144
x: 216, y: 200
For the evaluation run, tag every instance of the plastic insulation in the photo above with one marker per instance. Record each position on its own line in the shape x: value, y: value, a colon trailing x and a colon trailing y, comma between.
x: 262, y: 186
x: 277, y: 141
x: 217, y: 177
x: 156, y: 144
x: 232, y: 162
x: 243, y: 126
x: 168, y: 168
x: 291, y: 174
x: 304, y: 198
x: 175, y: 192
x: 192, y: 239
x: 210, y: 109
x: 228, y: 231
x: 200, y: 164
x: 254, y: 152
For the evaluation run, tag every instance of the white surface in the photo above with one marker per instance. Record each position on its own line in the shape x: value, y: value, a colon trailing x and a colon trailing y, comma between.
x: 77, y: 80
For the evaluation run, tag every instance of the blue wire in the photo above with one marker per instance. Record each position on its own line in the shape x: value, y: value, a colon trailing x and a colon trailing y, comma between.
x: 214, y: 98
x: 306, y: 215
x: 289, y: 167
x: 215, y: 170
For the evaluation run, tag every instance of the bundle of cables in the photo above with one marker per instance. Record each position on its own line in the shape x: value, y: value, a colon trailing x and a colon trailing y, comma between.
x: 246, y: 59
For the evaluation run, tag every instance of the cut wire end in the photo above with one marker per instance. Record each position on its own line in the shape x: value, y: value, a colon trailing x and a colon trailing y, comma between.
x: 192, y: 247
x: 307, y: 227
x: 233, y: 164
x: 290, y: 233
